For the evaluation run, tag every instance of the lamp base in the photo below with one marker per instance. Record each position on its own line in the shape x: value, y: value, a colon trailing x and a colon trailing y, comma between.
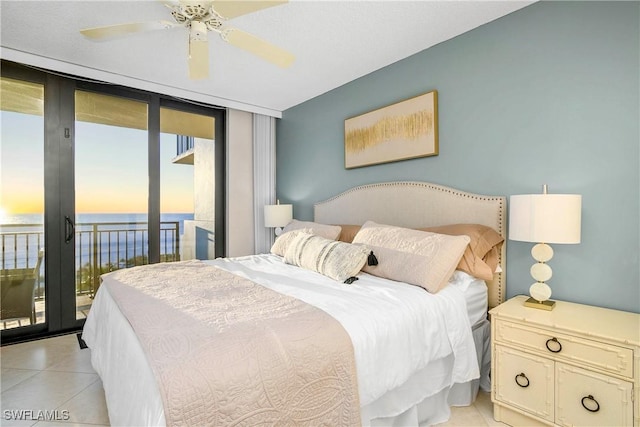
x: 542, y: 305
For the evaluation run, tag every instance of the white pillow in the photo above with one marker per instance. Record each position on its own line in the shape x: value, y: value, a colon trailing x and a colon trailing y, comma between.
x: 330, y: 232
x: 284, y: 240
x: 417, y: 257
x: 334, y: 259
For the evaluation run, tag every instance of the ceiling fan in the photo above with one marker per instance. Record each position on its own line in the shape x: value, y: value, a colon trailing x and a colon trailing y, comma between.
x: 201, y: 17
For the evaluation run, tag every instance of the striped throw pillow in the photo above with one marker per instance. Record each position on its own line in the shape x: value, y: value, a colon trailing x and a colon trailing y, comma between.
x: 334, y: 259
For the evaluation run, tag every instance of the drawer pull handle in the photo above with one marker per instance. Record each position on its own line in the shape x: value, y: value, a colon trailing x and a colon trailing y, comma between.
x: 523, y: 384
x: 590, y: 399
x: 554, y: 339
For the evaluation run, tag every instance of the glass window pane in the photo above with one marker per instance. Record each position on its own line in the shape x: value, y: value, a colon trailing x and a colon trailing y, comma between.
x: 187, y: 186
x: 111, y: 189
x: 22, y: 301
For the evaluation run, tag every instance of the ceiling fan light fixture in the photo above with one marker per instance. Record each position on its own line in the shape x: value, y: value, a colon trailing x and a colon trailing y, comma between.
x: 214, y: 22
x: 194, y: 10
x: 198, y: 31
x: 180, y: 18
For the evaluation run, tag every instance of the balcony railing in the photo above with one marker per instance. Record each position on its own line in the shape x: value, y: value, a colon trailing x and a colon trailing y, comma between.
x: 183, y: 144
x: 100, y: 248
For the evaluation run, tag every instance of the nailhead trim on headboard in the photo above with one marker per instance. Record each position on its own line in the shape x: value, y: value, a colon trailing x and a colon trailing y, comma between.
x: 354, y: 205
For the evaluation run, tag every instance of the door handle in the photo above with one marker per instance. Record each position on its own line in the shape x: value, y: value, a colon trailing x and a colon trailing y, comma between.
x: 69, y: 229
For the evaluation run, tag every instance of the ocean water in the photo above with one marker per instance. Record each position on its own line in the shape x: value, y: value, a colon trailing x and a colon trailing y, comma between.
x: 117, y: 237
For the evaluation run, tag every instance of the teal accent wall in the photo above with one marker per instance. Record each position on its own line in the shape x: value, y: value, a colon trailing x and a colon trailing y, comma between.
x: 546, y: 95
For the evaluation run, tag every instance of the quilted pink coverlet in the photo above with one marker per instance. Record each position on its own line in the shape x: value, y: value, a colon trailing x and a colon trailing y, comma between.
x: 227, y: 351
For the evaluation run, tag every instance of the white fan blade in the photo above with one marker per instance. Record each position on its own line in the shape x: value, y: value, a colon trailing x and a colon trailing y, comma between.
x: 111, y: 31
x: 258, y: 47
x: 198, y: 59
x: 232, y: 8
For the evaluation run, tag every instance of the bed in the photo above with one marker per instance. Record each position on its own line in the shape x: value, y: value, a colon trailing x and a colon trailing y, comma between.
x: 414, y: 353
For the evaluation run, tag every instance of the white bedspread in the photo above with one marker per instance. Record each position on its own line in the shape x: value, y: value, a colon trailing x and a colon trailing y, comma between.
x: 396, y: 330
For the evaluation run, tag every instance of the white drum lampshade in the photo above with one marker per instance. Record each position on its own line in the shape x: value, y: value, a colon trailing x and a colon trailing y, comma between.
x: 277, y: 216
x: 544, y: 218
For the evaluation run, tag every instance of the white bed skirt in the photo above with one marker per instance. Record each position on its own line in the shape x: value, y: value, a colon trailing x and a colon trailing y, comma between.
x: 435, y: 409
x: 144, y: 396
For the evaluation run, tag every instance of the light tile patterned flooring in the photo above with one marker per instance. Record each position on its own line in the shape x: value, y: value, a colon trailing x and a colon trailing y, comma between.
x: 476, y: 415
x: 49, y: 375
x: 55, y: 375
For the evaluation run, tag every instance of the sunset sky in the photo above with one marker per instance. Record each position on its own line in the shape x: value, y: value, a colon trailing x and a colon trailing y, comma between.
x: 111, y: 171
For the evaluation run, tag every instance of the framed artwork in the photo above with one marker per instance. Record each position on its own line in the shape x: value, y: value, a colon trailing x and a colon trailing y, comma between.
x: 405, y: 130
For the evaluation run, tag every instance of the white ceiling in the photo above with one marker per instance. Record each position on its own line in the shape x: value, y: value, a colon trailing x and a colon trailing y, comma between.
x: 334, y: 42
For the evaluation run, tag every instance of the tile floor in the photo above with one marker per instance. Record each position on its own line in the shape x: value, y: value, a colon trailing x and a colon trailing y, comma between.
x: 52, y: 375
x: 476, y: 415
x: 55, y: 375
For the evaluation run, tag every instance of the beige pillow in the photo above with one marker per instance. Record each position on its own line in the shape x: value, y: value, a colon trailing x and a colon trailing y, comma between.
x: 492, y: 257
x: 337, y: 260
x: 330, y: 232
x: 418, y: 257
x: 403, y: 267
x: 284, y: 240
x: 348, y: 232
x: 480, y: 259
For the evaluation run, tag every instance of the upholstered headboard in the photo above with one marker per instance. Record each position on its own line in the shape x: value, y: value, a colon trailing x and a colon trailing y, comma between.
x: 416, y: 205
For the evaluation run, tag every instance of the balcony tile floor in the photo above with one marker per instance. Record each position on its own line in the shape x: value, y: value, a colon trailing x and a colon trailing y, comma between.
x: 55, y: 374
x: 83, y: 304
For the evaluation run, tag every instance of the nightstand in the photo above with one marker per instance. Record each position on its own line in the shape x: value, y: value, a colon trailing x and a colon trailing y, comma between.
x: 575, y: 365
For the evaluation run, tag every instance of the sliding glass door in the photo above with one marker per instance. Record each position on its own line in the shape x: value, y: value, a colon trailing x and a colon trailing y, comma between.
x: 111, y: 177
x: 97, y: 178
x: 22, y: 235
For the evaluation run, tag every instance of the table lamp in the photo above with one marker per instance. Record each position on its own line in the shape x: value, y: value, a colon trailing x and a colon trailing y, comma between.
x: 277, y: 216
x: 544, y: 218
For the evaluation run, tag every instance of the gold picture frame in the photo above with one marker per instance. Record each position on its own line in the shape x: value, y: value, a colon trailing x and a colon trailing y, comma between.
x: 401, y: 131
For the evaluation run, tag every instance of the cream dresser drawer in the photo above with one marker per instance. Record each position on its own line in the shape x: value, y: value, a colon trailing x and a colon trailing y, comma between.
x: 575, y: 365
x: 523, y: 382
x: 612, y: 358
x: 586, y: 398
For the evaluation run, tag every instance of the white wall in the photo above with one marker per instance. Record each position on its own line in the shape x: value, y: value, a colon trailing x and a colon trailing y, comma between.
x: 240, y: 220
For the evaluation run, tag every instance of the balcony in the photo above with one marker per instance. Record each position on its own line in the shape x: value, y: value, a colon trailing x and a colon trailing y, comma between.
x: 100, y: 247
x: 185, y: 150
